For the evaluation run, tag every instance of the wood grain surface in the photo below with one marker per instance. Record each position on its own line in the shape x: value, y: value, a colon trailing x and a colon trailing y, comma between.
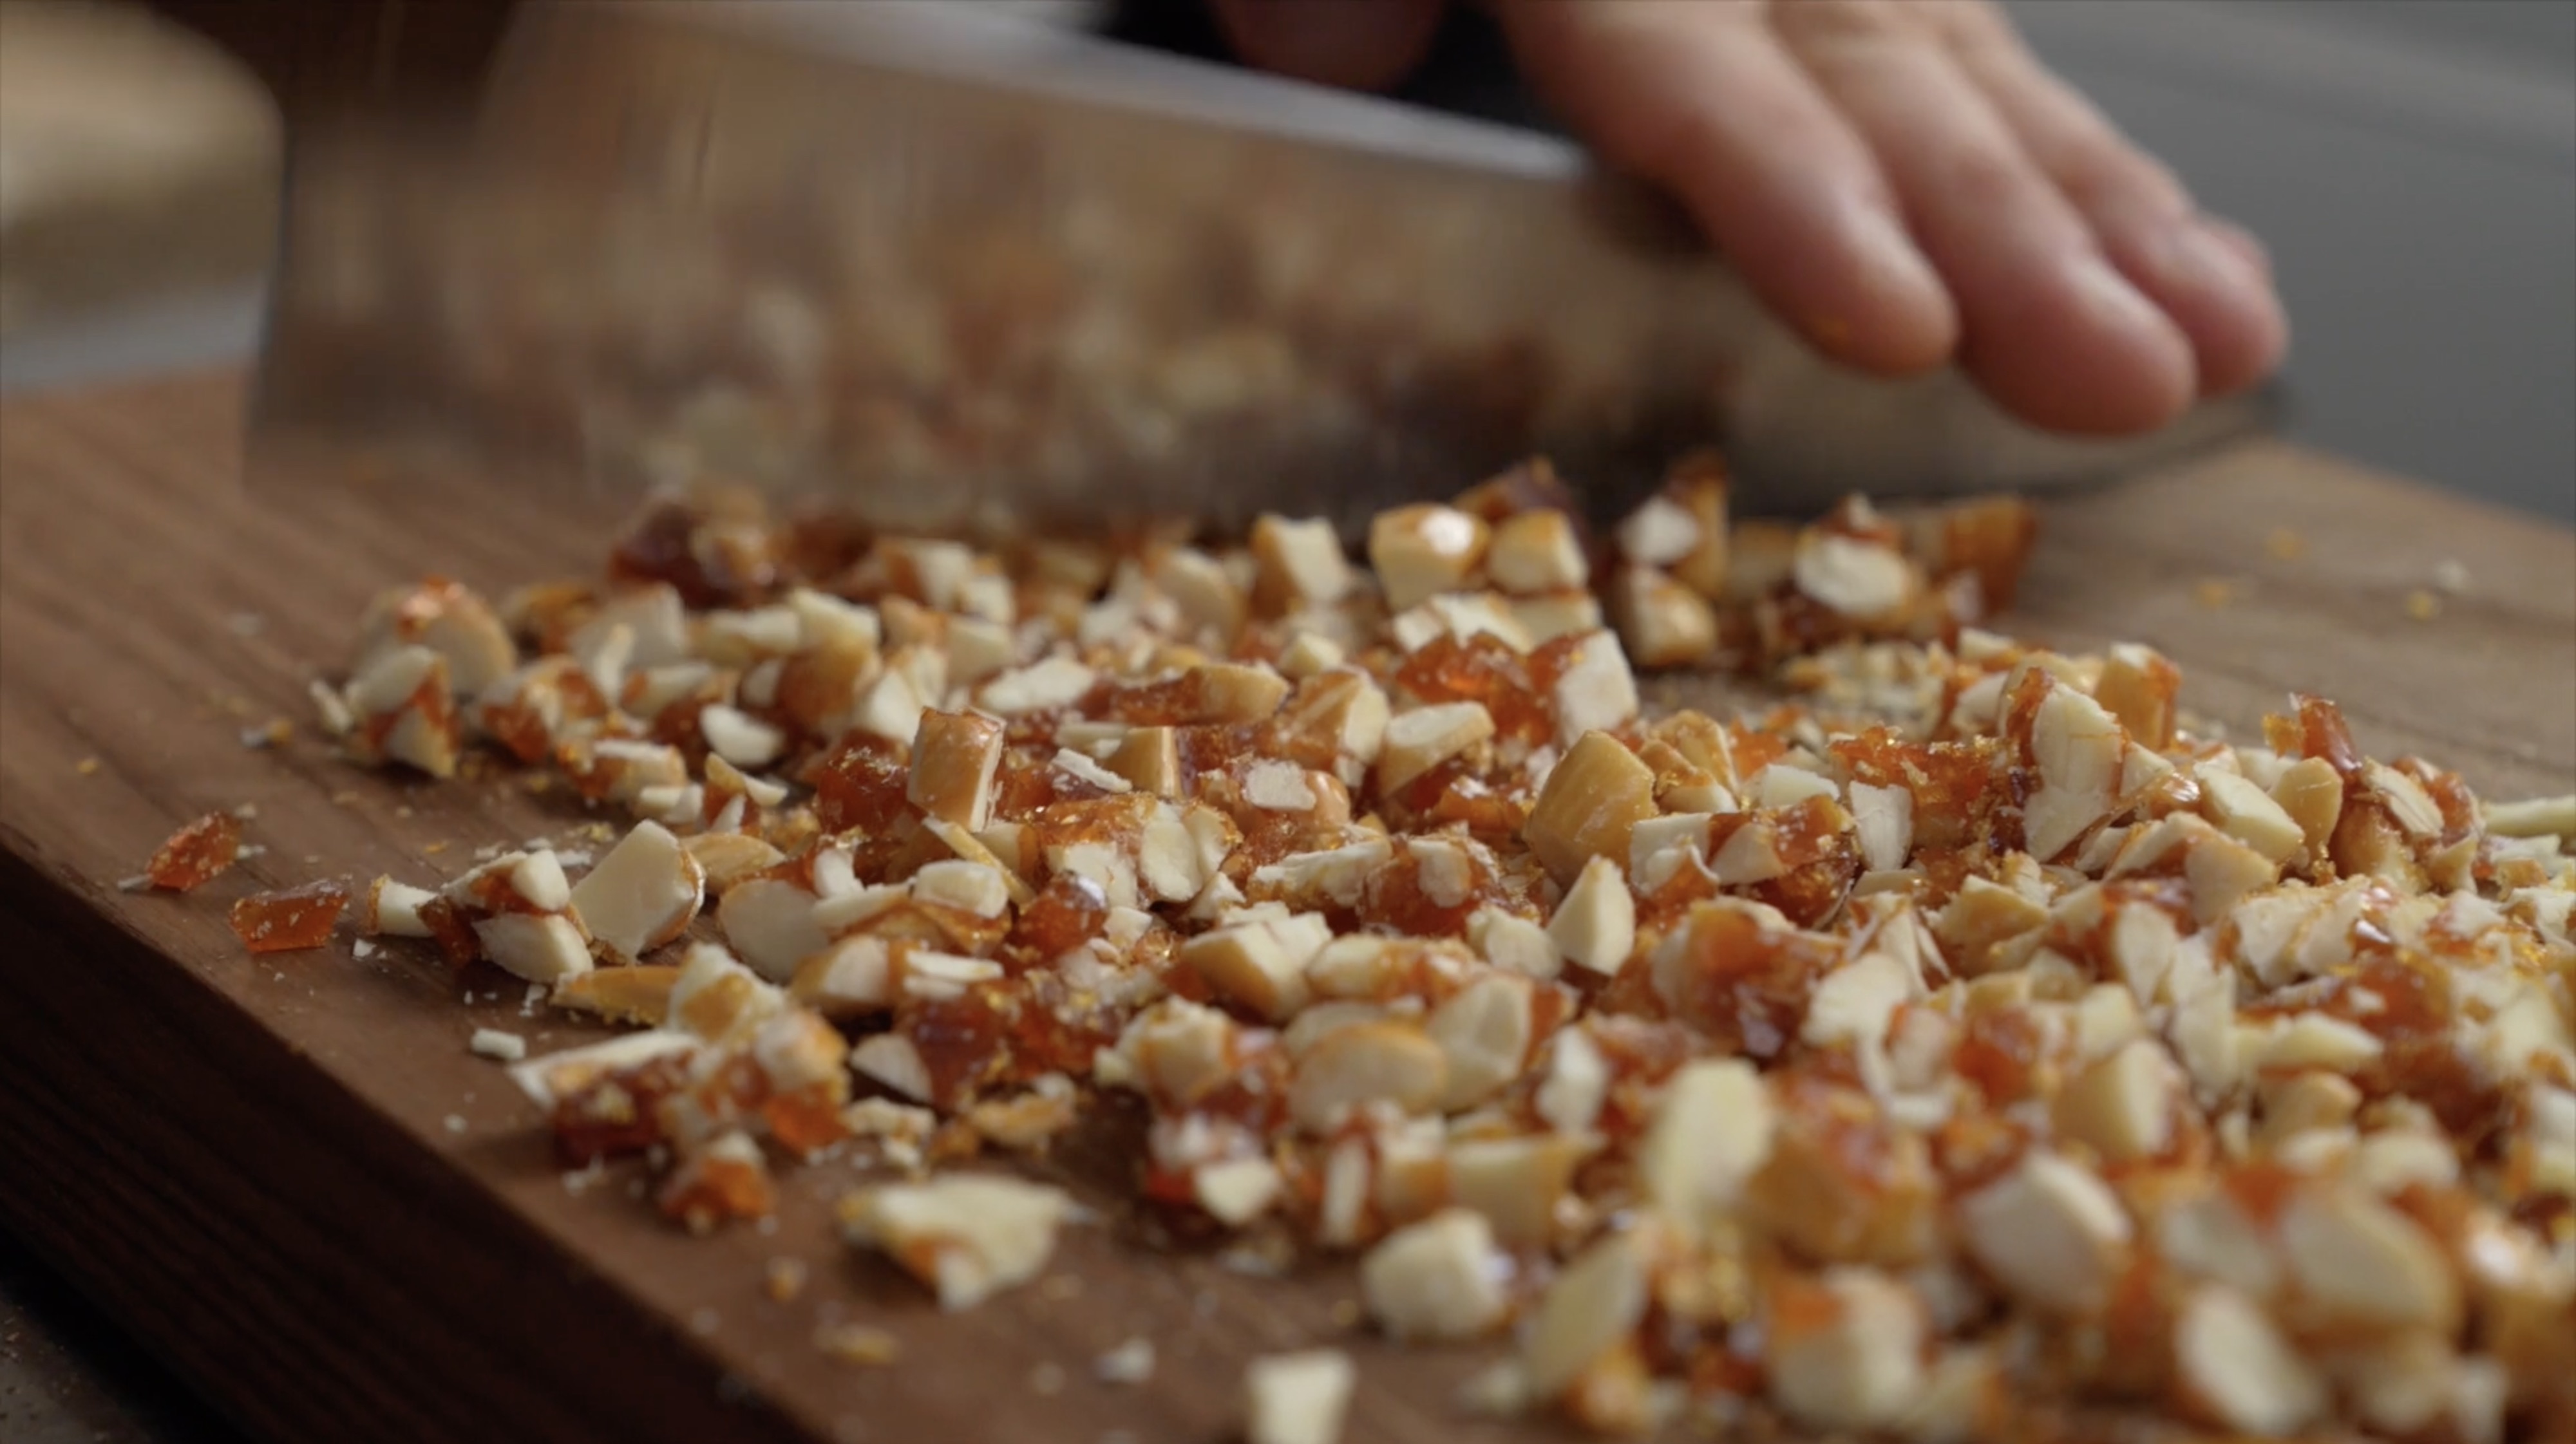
x: 290, y: 1176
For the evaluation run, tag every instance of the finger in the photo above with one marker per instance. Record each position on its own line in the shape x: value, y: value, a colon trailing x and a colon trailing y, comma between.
x: 2049, y: 326
x: 2206, y: 275
x: 1359, y: 44
x: 1698, y: 96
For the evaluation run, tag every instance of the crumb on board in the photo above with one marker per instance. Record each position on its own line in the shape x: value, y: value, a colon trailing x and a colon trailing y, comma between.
x: 454, y: 1122
x: 1047, y: 1378
x: 2451, y: 575
x: 196, y: 854
x: 497, y: 1043
x: 2284, y: 544
x: 1131, y: 1362
x: 859, y: 1345
x: 2215, y: 593
x: 783, y: 1278
x: 87, y: 766
x: 2423, y: 605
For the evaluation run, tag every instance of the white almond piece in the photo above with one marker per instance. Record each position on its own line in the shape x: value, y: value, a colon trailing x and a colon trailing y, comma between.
x: 1855, y: 1002
x: 540, y: 947
x: 1536, y: 551
x: 1658, y: 533
x: 1576, y: 1084
x: 2407, y: 801
x: 1710, y: 1134
x: 1301, y: 562
x: 970, y: 887
x: 2358, y: 1261
x: 1883, y: 818
x: 889, y: 708
x: 978, y: 650
x: 1261, y: 965
x: 2077, y: 747
x: 1299, y: 1398
x: 1382, y: 1062
x: 1660, y: 847
x: 2122, y: 1107
x: 550, y: 1079
x: 2537, y: 817
x: 642, y: 894
x: 1855, y: 578
x: 2050, y: 1232
x: 1039, y: 687
x: 891, y: 1059
x: 1515, y: 1182
x: 1419, y: 552
x: 1439, y: 1279
x: 740, y: 738
x: 968, y: 1236
x: 1596, y: 691
x: 539, y: 881
x: 393, y: 910
x: 770, y: 923
x: 1484, y: 1030
x: 1278, y: 786
x: 1333, y: 877
x: 1859, y: 1370
x: 1595, y: 926
x: 2247, y: 813
x: 1236, y: 1191
x: 1464, y: 615
x: 1423, y: 738
x: 824, y: 620
x: 1783, y: 786
x: 1083, y: 769
x: 1514, y: 943
x: 2316, y: 1040
x: 2235, y: 1364
x: 1177, y: 1051
x: 1594, y: 1304
x: 852, y: 977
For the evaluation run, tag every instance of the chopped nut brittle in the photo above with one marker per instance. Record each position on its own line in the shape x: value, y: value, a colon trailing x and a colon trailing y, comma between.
x: 1965, y: 1044
x: 290, y: 920
x: 196, y: 854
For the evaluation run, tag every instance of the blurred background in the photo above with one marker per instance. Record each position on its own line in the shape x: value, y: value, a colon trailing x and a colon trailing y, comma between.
x: 2411, y: 163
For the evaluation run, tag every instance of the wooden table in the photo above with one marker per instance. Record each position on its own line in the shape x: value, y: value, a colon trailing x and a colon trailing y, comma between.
x: 290, y: 1176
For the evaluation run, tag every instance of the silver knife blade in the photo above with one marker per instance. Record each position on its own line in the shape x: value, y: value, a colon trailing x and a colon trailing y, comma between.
x: 960, y: 274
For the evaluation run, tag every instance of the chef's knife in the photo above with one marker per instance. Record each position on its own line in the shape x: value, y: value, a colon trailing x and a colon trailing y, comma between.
x: 957, y: 272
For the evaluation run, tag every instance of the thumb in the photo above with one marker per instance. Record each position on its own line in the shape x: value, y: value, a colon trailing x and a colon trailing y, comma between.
x: 1362, y: 44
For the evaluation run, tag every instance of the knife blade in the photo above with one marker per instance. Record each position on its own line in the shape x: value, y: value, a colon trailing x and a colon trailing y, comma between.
x: 960, y: 274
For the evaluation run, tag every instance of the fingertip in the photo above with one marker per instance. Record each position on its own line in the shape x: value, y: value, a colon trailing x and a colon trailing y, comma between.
x: 1896, y: 316
x: 2216, y: 285
x: 2087, y: 353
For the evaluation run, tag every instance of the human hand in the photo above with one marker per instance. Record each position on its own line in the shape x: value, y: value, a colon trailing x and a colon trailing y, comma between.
x: 1901, y: 180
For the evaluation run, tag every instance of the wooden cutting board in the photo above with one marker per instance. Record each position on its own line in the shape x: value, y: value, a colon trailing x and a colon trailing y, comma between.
x: 291, y: 1177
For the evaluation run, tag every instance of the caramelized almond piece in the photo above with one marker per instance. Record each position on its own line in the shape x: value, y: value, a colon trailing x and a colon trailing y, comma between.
x: 1592, y: 802
x: 640, y: 995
